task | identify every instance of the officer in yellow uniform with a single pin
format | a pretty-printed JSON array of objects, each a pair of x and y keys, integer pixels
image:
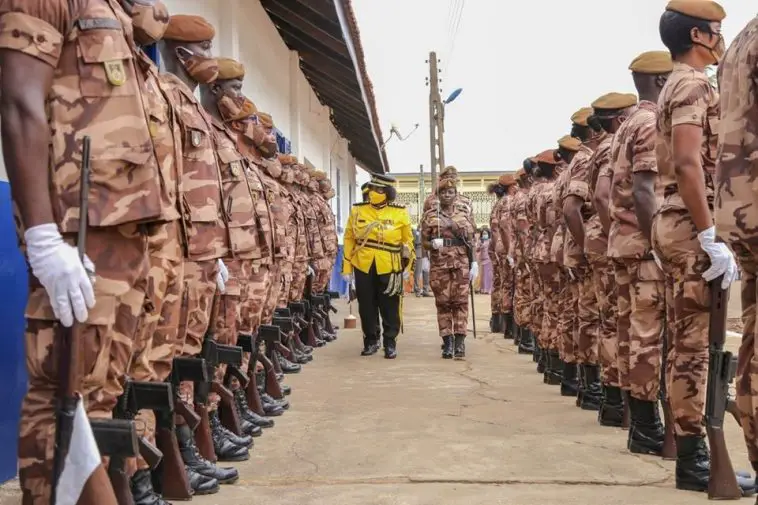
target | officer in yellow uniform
[{"x": 379, "y": 255}]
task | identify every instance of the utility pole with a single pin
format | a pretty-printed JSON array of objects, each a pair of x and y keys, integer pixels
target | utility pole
[
  {"x": 436, "y": 119},
  {"x": 421, "y": 193}
]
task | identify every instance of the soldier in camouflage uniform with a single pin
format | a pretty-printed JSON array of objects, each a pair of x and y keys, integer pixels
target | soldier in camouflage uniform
[
  {"x": 186, "y": 55},
  {"x": 448, "y": 234},
  {"x": 683, "y": 236},
  {"x": 522, "y": 290},
  {"x": 736, "y": 206},
  {"x": 578, "y": 211},
  {"x": 503, "y": 252},
  {"x": 126, "y": 188}
]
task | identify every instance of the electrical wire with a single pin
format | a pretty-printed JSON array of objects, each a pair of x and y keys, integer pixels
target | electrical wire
[{"x": 454, "y": 37}]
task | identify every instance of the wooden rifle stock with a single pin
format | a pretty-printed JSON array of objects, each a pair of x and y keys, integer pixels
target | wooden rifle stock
[{"x": 722, "y": 483}]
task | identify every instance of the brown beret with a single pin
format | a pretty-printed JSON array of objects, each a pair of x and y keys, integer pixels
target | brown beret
[
  {"x": 701, "y": 9},
  {"x": 569, "y": 143},
  {"x": 287, "y": 159},
  {"x": 449, "y": 172},
  {"x": 613, "y": 101},
  {"x": 445, "y": 182},
  {"x": 547, "y": 157},
  {"x": 186, "y": 28},
  {"x": 522, "y": 173},
  {"x": 580, "y": 117},
  {"x": 506, "y": 180},
  {"x": 265, "y": 119},
  {"x": 318, "y": 175},
  {"x": 230, "y": 69},
  {"x": 652, "y": 62}
]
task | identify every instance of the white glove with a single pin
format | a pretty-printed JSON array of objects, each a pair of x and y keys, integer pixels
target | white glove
[
  {"x": 437, "y": 243},
  {"x": 60, "y": 271},
  {"x": 310, "y": 271},
  {"x": 222, "y": 277},
  {"x": 510, "y": 261},
  {"x": 473, "y": 271},
  {"x": 722, "y": 259},
  {"x": 425, "y": 264},
  {"x": 657, "y": 261},
  {"x": 571, "y": 274},
  {"x": 406, "y": 275}
]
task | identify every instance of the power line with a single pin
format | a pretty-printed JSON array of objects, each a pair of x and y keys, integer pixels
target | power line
[{"x": 453, "y": 39}]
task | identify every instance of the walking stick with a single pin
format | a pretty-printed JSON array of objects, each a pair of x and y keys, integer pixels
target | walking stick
[{"x": 473, "y": 308}]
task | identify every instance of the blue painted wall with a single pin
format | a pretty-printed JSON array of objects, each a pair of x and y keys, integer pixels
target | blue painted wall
[{"x": 13, "y": 292}]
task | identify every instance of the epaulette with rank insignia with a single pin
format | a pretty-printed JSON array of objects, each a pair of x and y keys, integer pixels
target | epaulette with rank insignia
[{"x": 397, "y": 205}]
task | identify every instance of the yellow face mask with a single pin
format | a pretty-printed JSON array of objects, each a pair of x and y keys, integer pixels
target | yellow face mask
[{"x": 376, "y": 198}]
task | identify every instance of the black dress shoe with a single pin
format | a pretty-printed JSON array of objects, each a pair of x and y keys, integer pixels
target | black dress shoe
[
  {"x": 142, "y": 490},
  {"x": 194, "y": 461},
  {"x": 242, "y": 441},
  {"x": 201, "y": 484},
  {"x": 248, "y": 415}
]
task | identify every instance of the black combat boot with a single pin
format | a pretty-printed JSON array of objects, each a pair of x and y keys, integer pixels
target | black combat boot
[
  {"x": 447, "y": 347},
  {"x": 611, "y": 408},
  {"x": 390, "y": 348},
  {"x": 370, "y": 347},
  {"x": 267, "y": 399},
  {"x": 508, "y": 325},
  {"x": 580, "y": 387},
  {"x": 226, "y": 449},
  {"x": 241, "y": 440},
  {"x": 518, "y": 333},
  {"x": 201, "y": 484},
  {"x": 646, "y": 433},
  {"x": 195, "y": 462},
  {"x": 496, "y": 323},
  {"x": 537, "y": 352},
  {"x": 554, "y": 372},
  {"x": 541, "y": 360},
  {"x": 460, "y": 346},
  {"x": 693, "y": 467},
  {"x": 248, "y": 415},
  {"x": 569, "y": 383},
  {"x": 526, "y": 343},
  {"x": 593, "y": 389},
  {"x": 286, "y": 365},
  {"x": 142, "y": 490}
]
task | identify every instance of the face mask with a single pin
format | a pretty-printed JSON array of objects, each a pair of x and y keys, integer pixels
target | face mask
[
  {"x": 149, "y": 21},
  {"x": 376, "y": 198},
  {"x": 329, "y": 194},
  {"x": 202, "y": 69},
  {"x": 313, "y": 186},
  {"x": 231, "y": 108},
  {"x": 273, "y": 168},
  {"x": 717, "y": 50}
]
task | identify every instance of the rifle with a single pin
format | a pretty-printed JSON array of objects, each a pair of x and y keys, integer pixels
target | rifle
[
  {"x": 722, "y": 483},
  {"x": 116, "y": 437},
  {"x": 270, "y": 335},
  {"x": 214, "y": 355},
  {"x": 669, "y": 440}
]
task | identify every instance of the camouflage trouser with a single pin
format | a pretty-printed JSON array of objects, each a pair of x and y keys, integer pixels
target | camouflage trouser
[
  {"x": 284, "y": 290},
  {"x": 200, "y": 288},
  {"x": 451, "y": 292},
  {"x": 258, "y": 288},
  {"x": 231, "y": 307},
  {"x": 569, "y": 325},
  {"x": 605, "y": 293},
  {"x": 275, "y": 288},
  {"x": 675, "y": 241},
  {"x": 507, "y": 285},
  {"x": 121, "y": 259},
  {"x": 523, "y": 298},
  {"x": 323, "y": 274},
  {"x": 496, "y": 298},
  {"x": 646, "y": 320},
  {"x": 588, "y": 318},
  {"x": 551, "y": 286},
  {"x": 537, "y": 306},
  {"x": 623, "y": 313},
  {"x": 157, "y": 339},
  {"x": 299, "y": 277}
]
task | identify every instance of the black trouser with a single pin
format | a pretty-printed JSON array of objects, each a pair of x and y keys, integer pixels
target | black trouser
[{"x": 369, "y": 288}]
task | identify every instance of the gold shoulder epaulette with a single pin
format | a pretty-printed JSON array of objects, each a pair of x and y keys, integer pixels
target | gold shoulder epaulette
[{"x": 397, "y": 205}]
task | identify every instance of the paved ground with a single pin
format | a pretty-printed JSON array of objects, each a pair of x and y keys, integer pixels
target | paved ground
[{"x": 420, "y": 430}]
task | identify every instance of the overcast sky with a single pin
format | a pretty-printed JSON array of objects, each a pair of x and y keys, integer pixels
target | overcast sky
[{"x": 525, "y": 67}]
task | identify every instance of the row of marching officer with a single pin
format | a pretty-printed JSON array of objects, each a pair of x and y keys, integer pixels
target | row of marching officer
[
  {"x": 610, "y": 270},
  {"x": 178, "y": 263}
]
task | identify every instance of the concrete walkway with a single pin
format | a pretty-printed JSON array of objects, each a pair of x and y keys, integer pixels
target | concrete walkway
[{"x": 420, "y": 430}]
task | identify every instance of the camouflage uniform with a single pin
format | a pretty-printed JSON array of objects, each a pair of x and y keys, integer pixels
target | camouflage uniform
[
  {"x": 308, "y": 246},
  {"x": 522, "y": 295},
  {"x": 569, "y": 321},
  {"x": 500, "y": 257},
  {"x": 549, "y": 273},
  {"x": 497, "y": 298},
  {"x": 641, "y": 303},
  {"x": 449, "y": 265},
  {"x": 327, "y": 224},
  {"x": 126, "y": 187},
  {"x": 536, "y": 307},
  {"x": 687, "y": 98},
  {"x": 296, "y": 244},
  {"x": 737, "y": 206},
  {"x": 203, "y": 228}
]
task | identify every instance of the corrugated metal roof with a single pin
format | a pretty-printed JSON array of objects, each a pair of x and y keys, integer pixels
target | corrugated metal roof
[{"x": 326, "y": 36}]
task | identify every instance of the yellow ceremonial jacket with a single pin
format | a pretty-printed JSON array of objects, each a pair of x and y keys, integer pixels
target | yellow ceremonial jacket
[{"x": 377, "y": 235}]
